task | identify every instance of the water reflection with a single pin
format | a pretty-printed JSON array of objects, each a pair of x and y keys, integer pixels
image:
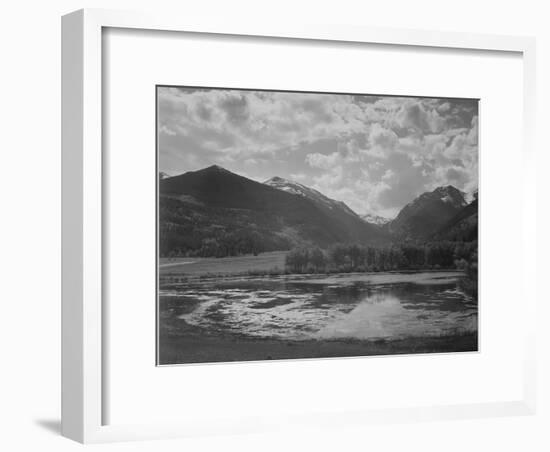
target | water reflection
[{"x": 329, "y": 308}]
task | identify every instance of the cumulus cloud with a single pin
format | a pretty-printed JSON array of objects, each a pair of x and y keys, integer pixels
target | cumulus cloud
[
  {"x": 382, "y": 137},
  {"x": 254, "y": 121},
  {"x": 326, "y": 162},
  {"x": 414, "y": 115},
  {"x": 375, "y": 153},
  {"x": 473, "y": 132}
]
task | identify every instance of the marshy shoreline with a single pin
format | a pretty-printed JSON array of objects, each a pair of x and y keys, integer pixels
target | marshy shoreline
[{"x": 181, "y": 343}]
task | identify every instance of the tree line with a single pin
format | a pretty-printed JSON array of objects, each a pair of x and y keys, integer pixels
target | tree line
[{"x": 361, "y": 258}]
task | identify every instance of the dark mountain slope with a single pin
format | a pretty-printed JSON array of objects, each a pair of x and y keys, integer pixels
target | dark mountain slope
[
  {"x": 424, "y": 216},
  {"x": 331, "y": 207},
  {"x": 216, "y": 212},
  {"x": 310, "y": 193},
  {"x": 462, "y": 227}
]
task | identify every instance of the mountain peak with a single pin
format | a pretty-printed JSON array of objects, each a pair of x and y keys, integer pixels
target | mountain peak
[
  {"x": 298, "y": 189},
  {"x": 213, "y": 168},
  {"x": 451, "y": 195},
  {"x": 277, "y": 180},
  {"x": 428, "y": 212},
  {"x": 214, "y": 199},
  {"x": 448, "y": 194},
  {"x": 285, "y": 185},
  {"x": 375, "y": 219},
  {"x": 447, "y": 189}
]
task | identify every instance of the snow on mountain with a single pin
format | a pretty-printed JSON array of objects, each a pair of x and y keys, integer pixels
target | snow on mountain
[
  {"x": 296, "y": 188},
  {"x": 375, "y": 219},
  {"x": 449, "y": 195},
  {"x": 255, "y": 217}
]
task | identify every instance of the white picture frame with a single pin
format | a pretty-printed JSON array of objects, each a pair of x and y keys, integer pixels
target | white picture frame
[{"x": 83, "y": 348}]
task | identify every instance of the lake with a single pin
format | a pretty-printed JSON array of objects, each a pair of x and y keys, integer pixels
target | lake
[{"x": 364, "y": 307}]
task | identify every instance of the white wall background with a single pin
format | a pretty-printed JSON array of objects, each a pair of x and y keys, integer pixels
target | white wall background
[{"x": 30, "y": 222}]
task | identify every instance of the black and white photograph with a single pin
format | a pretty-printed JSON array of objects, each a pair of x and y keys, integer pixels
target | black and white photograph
[
  {"x": 298, "y": 225},
  {"x": 257, "y": 226}
]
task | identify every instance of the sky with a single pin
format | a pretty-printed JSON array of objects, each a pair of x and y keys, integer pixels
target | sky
[{"x": 375, "y": 153}]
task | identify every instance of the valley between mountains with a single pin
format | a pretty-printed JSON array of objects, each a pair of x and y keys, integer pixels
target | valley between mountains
[
  {"x": 216, "y": 213},
  {"x": 278, "y": 270}
]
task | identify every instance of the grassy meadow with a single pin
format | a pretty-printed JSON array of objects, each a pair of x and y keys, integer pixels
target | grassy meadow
[{"x": 197, "y": 266}]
